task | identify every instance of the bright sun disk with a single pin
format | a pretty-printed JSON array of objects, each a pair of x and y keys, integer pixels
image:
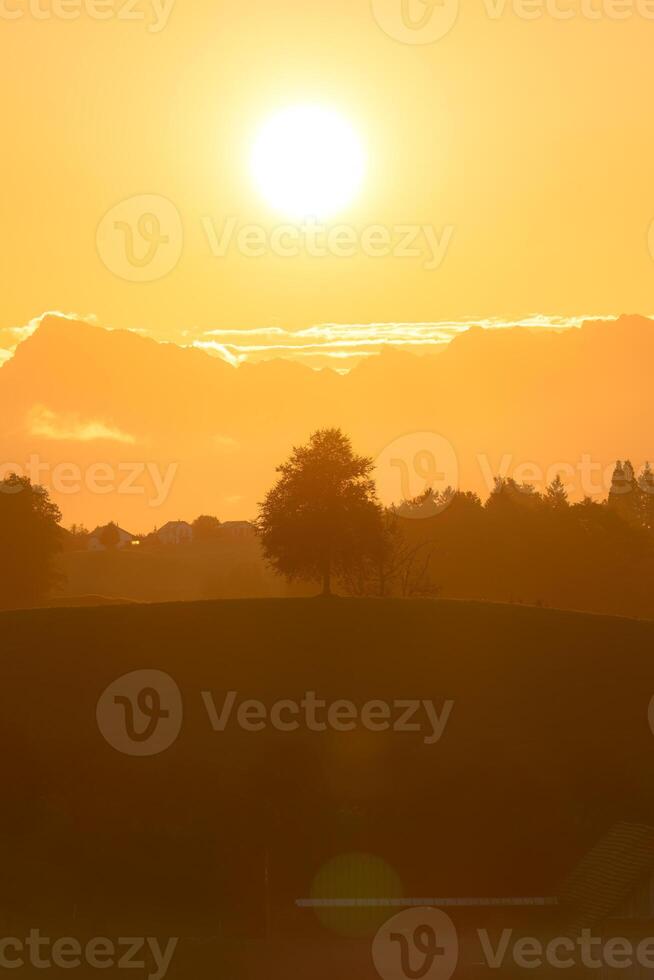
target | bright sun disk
[{"x": 308, "y": 162}]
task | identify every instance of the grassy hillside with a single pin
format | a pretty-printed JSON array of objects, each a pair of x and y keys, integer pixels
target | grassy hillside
[{"x": 215, "y": 839}]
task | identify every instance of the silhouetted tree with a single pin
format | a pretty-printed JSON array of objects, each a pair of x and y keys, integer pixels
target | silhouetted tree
[
  {"x": 322, "y": 517},
  {"x": 30, "y": 537},
  {"x": 427, "y": 504},
  {"x": 76, "y": 538},
  {"x": 523, "y": 546},
  {"x": 110, "y": 536},
  {"x": 205, "y": 528},
  {"x": 508, "y": 495},
  {"x": 646, "y": 501},
  {"x": 400, "y": 567},
  {"x": 556, "y": 495},
  {"x": 624, "y": 493}
]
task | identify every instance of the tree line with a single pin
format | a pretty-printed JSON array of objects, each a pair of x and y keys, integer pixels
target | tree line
[{"x": 322, "y": 523}]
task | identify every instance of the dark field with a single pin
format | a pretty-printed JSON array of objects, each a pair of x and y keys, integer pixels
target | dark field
[{"x": 215, "y": 839}]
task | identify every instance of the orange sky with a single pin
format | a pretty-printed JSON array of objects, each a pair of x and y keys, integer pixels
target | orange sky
[{"x": 528, "y": 139}]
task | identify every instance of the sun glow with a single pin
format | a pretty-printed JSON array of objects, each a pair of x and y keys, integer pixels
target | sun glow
[{"x": 308, "y": 162}]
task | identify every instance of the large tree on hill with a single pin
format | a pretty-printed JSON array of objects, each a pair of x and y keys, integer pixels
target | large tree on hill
[
  {"x": 30, "y": 536},
  {"x": 322, "y": 516}
]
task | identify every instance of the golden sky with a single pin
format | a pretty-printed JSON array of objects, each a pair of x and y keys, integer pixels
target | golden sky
[{"x": 523, "y": 145}]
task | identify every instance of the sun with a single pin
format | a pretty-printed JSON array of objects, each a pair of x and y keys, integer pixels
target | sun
[{"x": 308, "y": 162}]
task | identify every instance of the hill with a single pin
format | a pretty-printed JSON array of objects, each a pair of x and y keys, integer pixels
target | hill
[
  {"x": 544, "y": 748},
  {"x": 172, "y": 574}
]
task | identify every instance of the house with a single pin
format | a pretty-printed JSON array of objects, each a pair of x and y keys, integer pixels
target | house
[
  {"x": 175, "y": 532},
  {"x": 109, "y": 536},
  {"x": 237, "y": 529}
]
